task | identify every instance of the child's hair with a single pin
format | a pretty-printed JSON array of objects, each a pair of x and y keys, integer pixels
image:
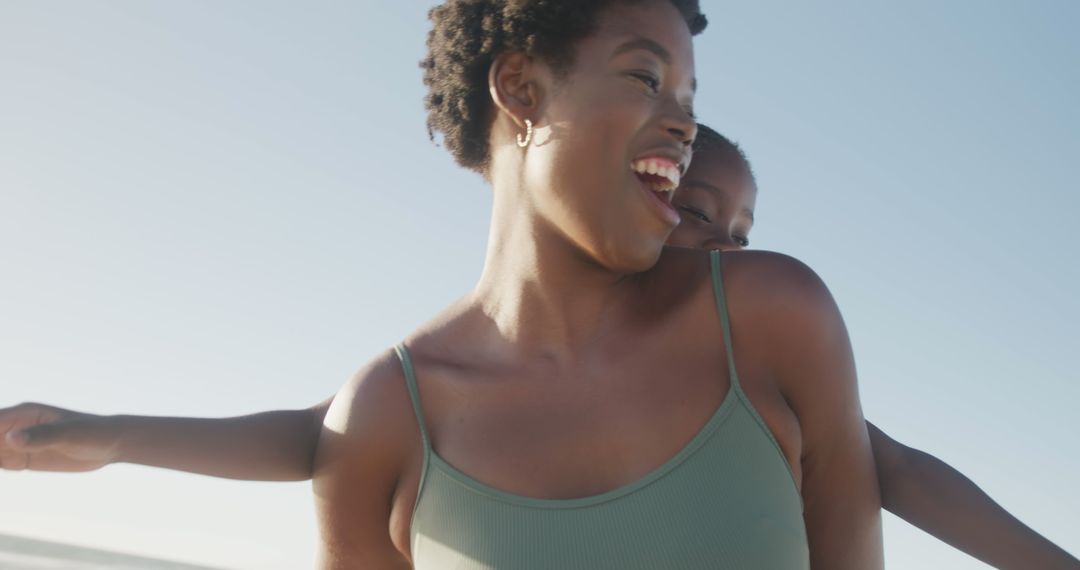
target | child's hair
[
  {"x": 710, "y": 140},
  {"x": 467, "y": 35}
]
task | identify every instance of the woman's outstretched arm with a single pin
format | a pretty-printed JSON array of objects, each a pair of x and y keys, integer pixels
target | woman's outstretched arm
[
  {"x": 268, "y": 446},
  {"x": 930, "y": 494}
]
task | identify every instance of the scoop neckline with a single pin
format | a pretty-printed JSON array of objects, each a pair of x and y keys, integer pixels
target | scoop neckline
[{"x": 663, "y": 469}]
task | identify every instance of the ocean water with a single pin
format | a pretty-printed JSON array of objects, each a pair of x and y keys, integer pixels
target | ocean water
[{"x": 17, "y": 553}]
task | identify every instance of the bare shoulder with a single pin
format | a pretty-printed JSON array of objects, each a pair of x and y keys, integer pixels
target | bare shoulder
[
  {"x": 372, "y": 396},
  {"x": 774, "y": 280},
  {"x": 368, "y": 438},
  {"x": 782, "y": 302},
  {"x": 374, "y": 405},
  {"x": 765, "y": 289},
  {"x": 784, "y": 322},
  {"x": 763, "y": 273}
]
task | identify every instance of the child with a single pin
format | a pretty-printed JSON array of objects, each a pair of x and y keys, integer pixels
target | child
[{"x": 716, "y": 199}]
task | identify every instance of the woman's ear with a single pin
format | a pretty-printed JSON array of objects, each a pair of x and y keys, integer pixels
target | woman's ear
[{"x": 515, "y": 81}]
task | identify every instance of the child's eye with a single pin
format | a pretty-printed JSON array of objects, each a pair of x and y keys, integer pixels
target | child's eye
[
  {"x": 650, "y": 80},
  {"x": 696, "y": 213}
]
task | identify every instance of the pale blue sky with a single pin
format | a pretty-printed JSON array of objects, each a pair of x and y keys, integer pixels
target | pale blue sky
[{"x": 213, "y": 208}]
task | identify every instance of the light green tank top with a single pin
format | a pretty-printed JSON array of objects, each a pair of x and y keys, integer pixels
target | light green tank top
[{"x": 727, "y": 500}]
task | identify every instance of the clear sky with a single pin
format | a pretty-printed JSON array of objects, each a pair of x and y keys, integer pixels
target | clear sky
[{"x": 213, "y": 208}]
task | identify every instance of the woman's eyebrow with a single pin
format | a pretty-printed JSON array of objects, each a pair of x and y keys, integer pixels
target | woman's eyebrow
[
  {"x": 653, "y": 47},
  {"x": 647, "y": 45}
]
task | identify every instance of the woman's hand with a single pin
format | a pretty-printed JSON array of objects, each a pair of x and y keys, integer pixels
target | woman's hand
[{"x": 37, "y": 437}]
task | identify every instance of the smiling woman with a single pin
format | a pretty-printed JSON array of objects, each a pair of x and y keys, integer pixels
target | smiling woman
[
  {"x": 223, "y": 207},
  {"x": 597, "y": 400},
  {"x": 586, "y": 406}
]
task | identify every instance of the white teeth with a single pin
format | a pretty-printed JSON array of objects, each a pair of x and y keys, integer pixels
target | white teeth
[
  {"x": 672, "y": 176},
  {"x": 657, "y": 168}
]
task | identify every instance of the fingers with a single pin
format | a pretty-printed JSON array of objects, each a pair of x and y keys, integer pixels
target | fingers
[
  {"x": 11, "y": 461},
  {"x": 17, "y": 418},
  {"x": 12, "y": 420},
  {"x": 14, "y": 439},
  {"x": 43, "y": 438},
  {"x": 22, "y": 434},
  {"x": 12, "y": 458},
  {"x": 27, "y": 414},
  {"x": 20, "y": 445},
  {"x": 10, "y": 417},
  {"x": 27, "y": 408},
  {"x": 35, "y": 437},
  {"x": 57, "y": 446}
]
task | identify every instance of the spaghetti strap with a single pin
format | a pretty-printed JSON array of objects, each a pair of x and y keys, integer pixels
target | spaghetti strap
[
  {"x": 414, "y": 393},
  {"x": 722, "y": 308}
]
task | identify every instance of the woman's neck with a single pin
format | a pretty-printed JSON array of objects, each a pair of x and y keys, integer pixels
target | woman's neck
[{"x": 543, "y": 294}]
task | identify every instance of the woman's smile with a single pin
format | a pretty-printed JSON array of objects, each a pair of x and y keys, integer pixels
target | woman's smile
[{"x": 658, "y": 178}]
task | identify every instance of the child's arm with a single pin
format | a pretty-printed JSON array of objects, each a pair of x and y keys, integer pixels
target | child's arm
[
  {"x": 928, "y": 493},
  {"x": 269, "y": 446}
]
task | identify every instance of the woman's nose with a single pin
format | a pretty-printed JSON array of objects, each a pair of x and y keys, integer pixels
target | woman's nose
[{"x": 680, "y": 124}]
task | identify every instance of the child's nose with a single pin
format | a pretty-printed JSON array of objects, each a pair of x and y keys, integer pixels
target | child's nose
[{"x": 722, "y": 242}]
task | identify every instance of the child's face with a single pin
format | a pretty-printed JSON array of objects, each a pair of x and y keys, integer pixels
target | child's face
[{"x": 716, "y": 201}]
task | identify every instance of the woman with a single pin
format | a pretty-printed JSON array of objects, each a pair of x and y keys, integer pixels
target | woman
[
  {"x": 573, "y": 410},
  {"x": 584, "y": 406}
]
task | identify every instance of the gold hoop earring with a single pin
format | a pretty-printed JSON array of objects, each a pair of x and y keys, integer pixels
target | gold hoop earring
[{"x": 524, "y": 142}]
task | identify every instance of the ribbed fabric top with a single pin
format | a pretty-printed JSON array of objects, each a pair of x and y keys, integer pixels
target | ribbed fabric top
[{"x": 726, "y": 500}]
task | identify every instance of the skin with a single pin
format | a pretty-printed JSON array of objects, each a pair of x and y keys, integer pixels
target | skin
[{"x": 576, "y": 271}]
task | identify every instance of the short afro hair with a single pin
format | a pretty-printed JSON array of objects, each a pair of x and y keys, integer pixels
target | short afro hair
[
  {"x": 710, "y": 140},
  {"x": 467, "y": 36}
]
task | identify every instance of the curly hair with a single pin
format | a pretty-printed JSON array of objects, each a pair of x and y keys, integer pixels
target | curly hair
[
  {"x": 711, "y": 140},
  {"x": 467, "y": 36}
]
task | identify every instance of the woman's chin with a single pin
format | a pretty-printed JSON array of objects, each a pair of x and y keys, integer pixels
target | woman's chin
[{"x": 634, "y": 260}]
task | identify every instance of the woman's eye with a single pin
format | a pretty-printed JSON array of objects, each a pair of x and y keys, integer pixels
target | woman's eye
[
  {"x": 650, "y": 81},
  {"x": 696, "y": 213}
]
